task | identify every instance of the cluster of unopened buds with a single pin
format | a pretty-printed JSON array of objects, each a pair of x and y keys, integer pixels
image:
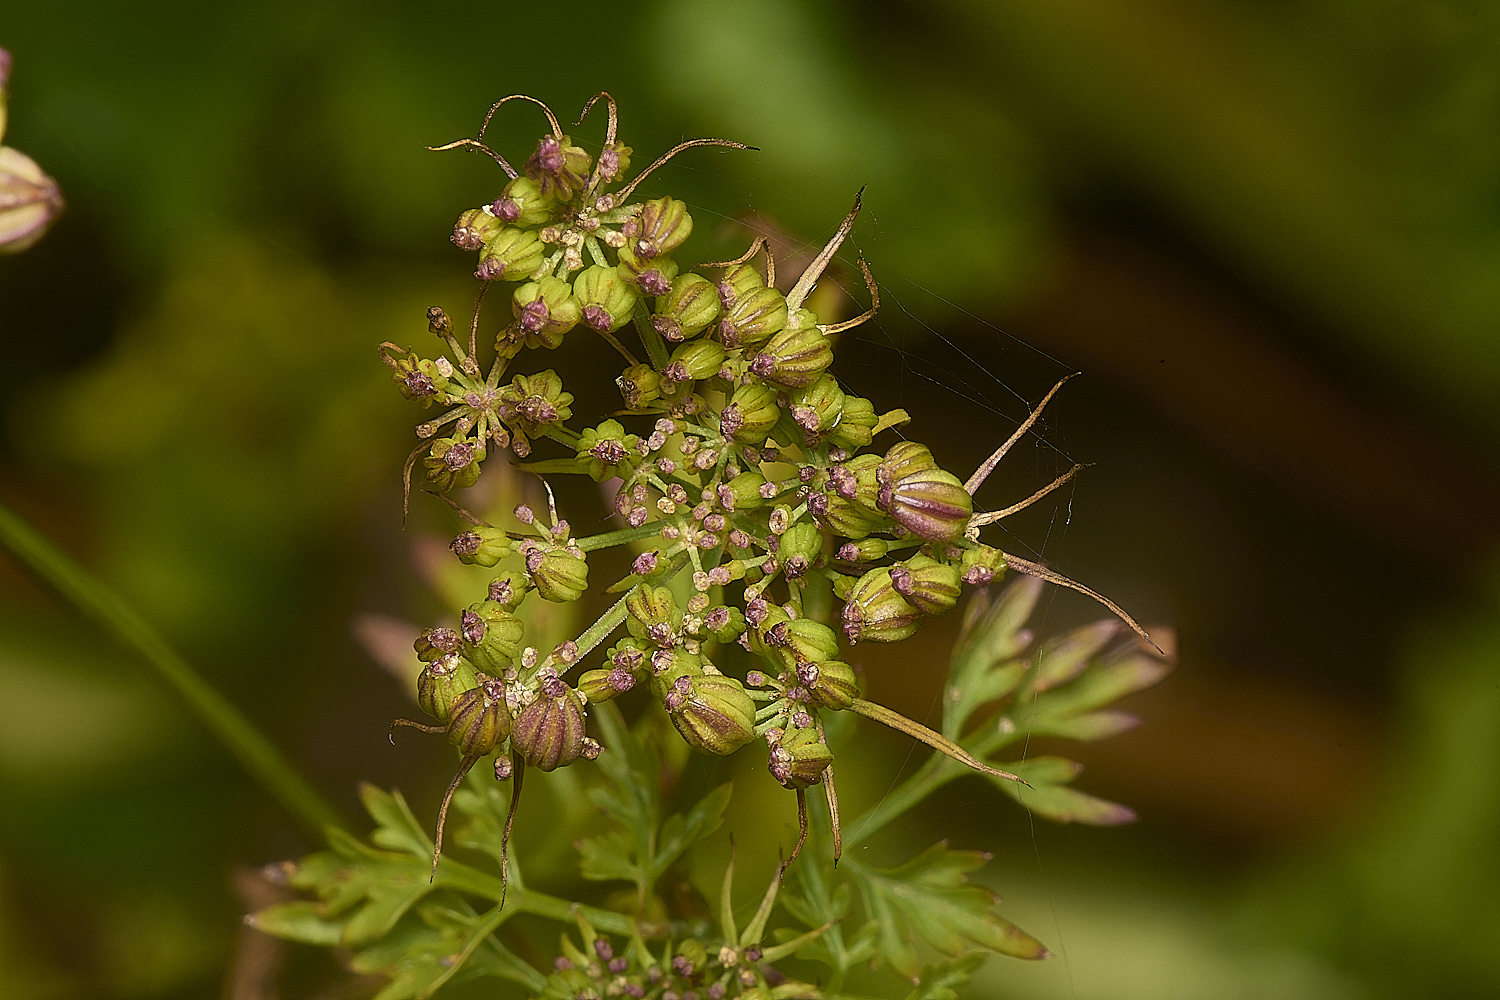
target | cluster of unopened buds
[
  {"x": 737, "y": 965},
  {"x": 741, "y": 478}
]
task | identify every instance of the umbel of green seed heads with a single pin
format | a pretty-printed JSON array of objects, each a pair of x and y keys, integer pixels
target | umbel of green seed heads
[{"x": 744, "y": 475}]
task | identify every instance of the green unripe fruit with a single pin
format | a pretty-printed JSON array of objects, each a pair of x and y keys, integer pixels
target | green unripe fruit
[
  {"x": 753, "y": 318},
  {"x": 751, "y": 414},
  {"x": 694, "y": 954},
  {"x": 830, "y": 684},
  {"x": 924, "y": 499},
  {"x": 844, "y": 517},
  {"x": 602, "y": 449},
  {"x": 417, "y": 378},
  {"x": 817, "y": 407},
  {"x": 653, "y": 276},
  {"x": 928, "y": 585},
  {"x": 863, "y": 550},
  {"x": 739, "y": 280},
  {"x": 687, "y": 309},
  {"x": 652, "y": 614},
  {"x": 559, "y": 167},
  {"x": 545, "y": 310},
  {"x": 549, "y": 733},
  {"x": 803, "y": 640},
  {"x": 982, "y": 564},
  {"x": 437, "y": 643},
  {"x": 854, "y": 428},
  {"x": 522, "y": 204},
  {"x": 607, "y": 301},
  {"x": 605, "y": 684},
  {"x": 474, "y": 227},
  {"x": 801, "y": 545},
  {"x": 661, "y": 226},
  {"x": 440, "y": 684},
  {"x": 510, "y": 255},
  {"x": 697, "y": 359},
  {"x": 558, "y": 575},
  {"x": 906, "y": 458},
  {"x": 711, "y": 712},
  {"x": 670, "y": 665},
  {"x": 794, "y": 358},
  {"x": 640, "y": 385},
  {"x": 800, "y": 759},
  {"x": 493, "y": 635},
  {"x": 742, "y": 493},
  {"x": 453, "y": 463},
  {"x": 480, "y": 719},
  {"x": 509, "y": 589},
  {"x": 532, "y": 402},
  {"x": 481, "y": 545},
  {"x": 725, "y": 623},
  {"x": 876, "y": 612}
]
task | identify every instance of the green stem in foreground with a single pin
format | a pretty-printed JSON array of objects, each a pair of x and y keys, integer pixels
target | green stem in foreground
[
  {"x": 932, "y": 775},
  {"x": 238, "y": 735},
  {"x": 457, "y": 875}
]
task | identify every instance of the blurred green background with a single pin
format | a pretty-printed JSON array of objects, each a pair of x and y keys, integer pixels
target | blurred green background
[{"x": 1268, "y": 233}]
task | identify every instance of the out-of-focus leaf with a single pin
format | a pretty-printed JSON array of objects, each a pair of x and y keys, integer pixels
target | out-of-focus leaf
[
  {"x": 396, "y": 828},
  {"x": 943, "y": 980},
  {"x": 298, "y": 920},
  {"x": 435, "y": 946},
  {"x": 1064, "y": 658},
  {"x": 1050, "y": 796},
  {"x": 1102, "y": 684},
  {"x": 485, "y": 803},
  {"x": 613, "y": 856},
  {"x": 983, "y": 667},
  {"x": 929, "y": 897},
  {"x": 376, "y": 888},
  {"x": 682, "y": 831},
  {"x": 1092, "y": 726},
  {"x": 607, "y": 856}
]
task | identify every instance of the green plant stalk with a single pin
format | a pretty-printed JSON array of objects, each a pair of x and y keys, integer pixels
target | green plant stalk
[
  {"x": 622, "y": 536},
  {"x": 937, "y": 772},
  {"x": 239, "y": 736},
  {"x": 601, "y": 629},
  {"x": 457, "y": 875}
]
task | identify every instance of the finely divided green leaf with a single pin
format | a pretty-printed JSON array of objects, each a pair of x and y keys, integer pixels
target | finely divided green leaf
[
  {"x": 929, "y": 898},
  {"x": 439, "y": 943},
  {"x": 1087, "y": 727},
  {"x": 943, "y": 980},
  {"x": 608, "y": 856},
  {"x": 395, "y": 826},
  {"x": 1049, "y": 795},
  {"x": 682, "y": 831},
  {"x": 300, "y": 920},
  {"x": 1061, "y": 659},
  {"x": 1102, "y": 684}
]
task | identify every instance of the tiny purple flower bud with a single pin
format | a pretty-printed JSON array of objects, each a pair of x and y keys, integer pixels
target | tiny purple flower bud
[
  {"x": 472, "y": 627},
  {"x": 645, "y": 563}
]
